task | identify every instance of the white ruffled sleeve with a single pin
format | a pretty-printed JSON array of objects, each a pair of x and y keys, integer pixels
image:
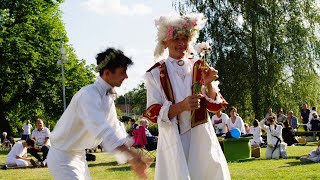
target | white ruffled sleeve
[
  {"x": 155, "y": 96},
  {"x": 215, "y": 86}
]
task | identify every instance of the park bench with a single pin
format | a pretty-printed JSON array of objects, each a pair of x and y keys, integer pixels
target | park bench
[{"x": 308, "y": 133}]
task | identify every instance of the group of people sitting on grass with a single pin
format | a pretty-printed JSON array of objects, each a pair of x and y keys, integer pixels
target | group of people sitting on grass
[
  {"x": 277, "y": 134},
  {"x": 309, "y": 118},
  {"x": 37, "y": 142}
]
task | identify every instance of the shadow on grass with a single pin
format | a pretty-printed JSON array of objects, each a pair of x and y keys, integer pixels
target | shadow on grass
[
  {"x": 4, "y": 152},
  {"x": 115, "y": 167},
  {"x": 113, "y": 163},
  {"x": 298, "y": 163},
  {"x": 295, "y": 163},
  {"x": 126, "y": 168},
  {"x": 121, "y": 167},
  {"x": 311, "y": 144}
]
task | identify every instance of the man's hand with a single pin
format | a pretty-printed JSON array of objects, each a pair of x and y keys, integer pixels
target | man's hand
[
  {"x": 140, "y": 166},
  {"x": 191, "y": 102},
  {"x": 188, "y": 104},
  {"x": 209, "y": 74}
]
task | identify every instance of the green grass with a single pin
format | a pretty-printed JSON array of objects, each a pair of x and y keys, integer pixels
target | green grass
[{"x": 106, "y": 168}]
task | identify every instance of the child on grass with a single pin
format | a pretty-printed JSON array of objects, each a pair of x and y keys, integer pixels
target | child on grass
[{"x": 17, "y": 157}]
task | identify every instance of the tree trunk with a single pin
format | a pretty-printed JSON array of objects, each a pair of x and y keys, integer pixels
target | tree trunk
[
  {"x": 255, "y": 67},
  {"x": 4, "y": 123}
]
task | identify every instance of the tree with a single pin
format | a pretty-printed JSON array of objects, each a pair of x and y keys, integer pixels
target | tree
[
  {"x": 137, "y": 98},
  {"x": 267, "y": 52},
  {"x": 30, "y": 83}
]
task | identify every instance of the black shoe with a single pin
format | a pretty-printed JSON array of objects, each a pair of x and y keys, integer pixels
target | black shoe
[
  {"x": 34, "y": 164},
  {"x": 4, "y": 167}
]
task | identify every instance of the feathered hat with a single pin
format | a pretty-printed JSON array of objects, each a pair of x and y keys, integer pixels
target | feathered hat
[{"x": 172, "y": 25}]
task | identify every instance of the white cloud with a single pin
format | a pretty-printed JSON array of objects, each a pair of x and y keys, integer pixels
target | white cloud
[{"x": 104, "y": 7}]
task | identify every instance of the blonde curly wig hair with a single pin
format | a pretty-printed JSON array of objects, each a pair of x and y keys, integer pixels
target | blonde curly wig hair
[{"x": 170, "y": 26}]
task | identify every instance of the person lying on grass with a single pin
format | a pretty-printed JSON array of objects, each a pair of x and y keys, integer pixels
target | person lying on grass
[
  {"x": 17, "y": 157},
  {"x": 313, "y": 156}
]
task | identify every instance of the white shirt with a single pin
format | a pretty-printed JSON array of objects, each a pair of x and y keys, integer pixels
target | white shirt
[
  {"x": 272, "y": 131},
  {"x": 237, "y": 124},
  {"x": 181, "y": 78},
  {"x": 312, "y": 114},
  {"x": 17, "y": 150},
  {"x": 220, "y": 123},
  {"x": 40, "y": 136},
  {"x": 256, "y": 132},
  {"x": 89, "y": 119},
  {"x": 27, "y": 129}
]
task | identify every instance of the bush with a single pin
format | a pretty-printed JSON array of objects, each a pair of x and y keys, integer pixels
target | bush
[
  {"x": 153, "y": 129},
  {"x": 126, "y": 119}
]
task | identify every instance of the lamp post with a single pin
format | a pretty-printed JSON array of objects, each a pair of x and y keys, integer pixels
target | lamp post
[
  {"x": 125, "y": 100},
  {"x": 60, "y": 62}
]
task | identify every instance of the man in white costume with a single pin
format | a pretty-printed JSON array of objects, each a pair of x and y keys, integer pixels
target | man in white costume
[
  {"x": 274, "y": 137},
  {"x": 91, "y": 119},
  {"x": 187, "y": 145}
]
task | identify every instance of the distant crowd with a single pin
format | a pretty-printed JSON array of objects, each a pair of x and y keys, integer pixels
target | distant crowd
[{"x": 274, "y": 131}]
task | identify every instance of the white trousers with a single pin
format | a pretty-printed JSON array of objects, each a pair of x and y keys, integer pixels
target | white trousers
[
  {"x": 18, "y": 162},
  {"x": 274, "y": 155},
  {"x": 68, "y": 165}
]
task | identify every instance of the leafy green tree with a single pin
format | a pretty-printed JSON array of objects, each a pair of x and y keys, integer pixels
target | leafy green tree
[
  {"x": 267, "y": 52},
  {"x": 30, "y": 84},
  {"x": 136, "y": 98}
]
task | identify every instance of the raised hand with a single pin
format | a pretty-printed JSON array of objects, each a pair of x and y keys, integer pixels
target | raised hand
[
  {"x": 192, "y": 102},
  {"x": 209, "y": 74}
]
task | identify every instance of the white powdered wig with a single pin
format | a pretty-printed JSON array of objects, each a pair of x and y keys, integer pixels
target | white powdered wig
[{"x": 172, "y": 25}]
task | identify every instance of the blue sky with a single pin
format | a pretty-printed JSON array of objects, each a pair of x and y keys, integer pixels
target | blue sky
[{"x": 94, "y": 25}]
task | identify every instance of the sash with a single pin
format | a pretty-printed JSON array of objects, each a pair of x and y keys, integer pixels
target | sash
[{"x": 198, "y": 116}]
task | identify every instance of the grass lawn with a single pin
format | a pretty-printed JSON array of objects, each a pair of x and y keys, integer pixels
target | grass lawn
[{"x": 106, "y": 168}]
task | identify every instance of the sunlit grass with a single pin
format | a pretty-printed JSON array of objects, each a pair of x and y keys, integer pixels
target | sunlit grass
[{"x": 105, "y": 167}]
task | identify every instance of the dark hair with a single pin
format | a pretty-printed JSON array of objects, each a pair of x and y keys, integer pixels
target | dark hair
[
  {"x": 314, "y": 108},
  {"x": 271, "y": 119},
  {"x": 233, "y": 108},
  {"x": 115, "y": 59},
  {"x": 286, "y": 124},
  {"x": 30, "y": 142},
  {"x": 255, "y": 123}
]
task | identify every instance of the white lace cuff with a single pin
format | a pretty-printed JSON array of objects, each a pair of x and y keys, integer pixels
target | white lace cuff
[
  {"x": 215, "y": 87},
  {"x": 164, "y": 111}
]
